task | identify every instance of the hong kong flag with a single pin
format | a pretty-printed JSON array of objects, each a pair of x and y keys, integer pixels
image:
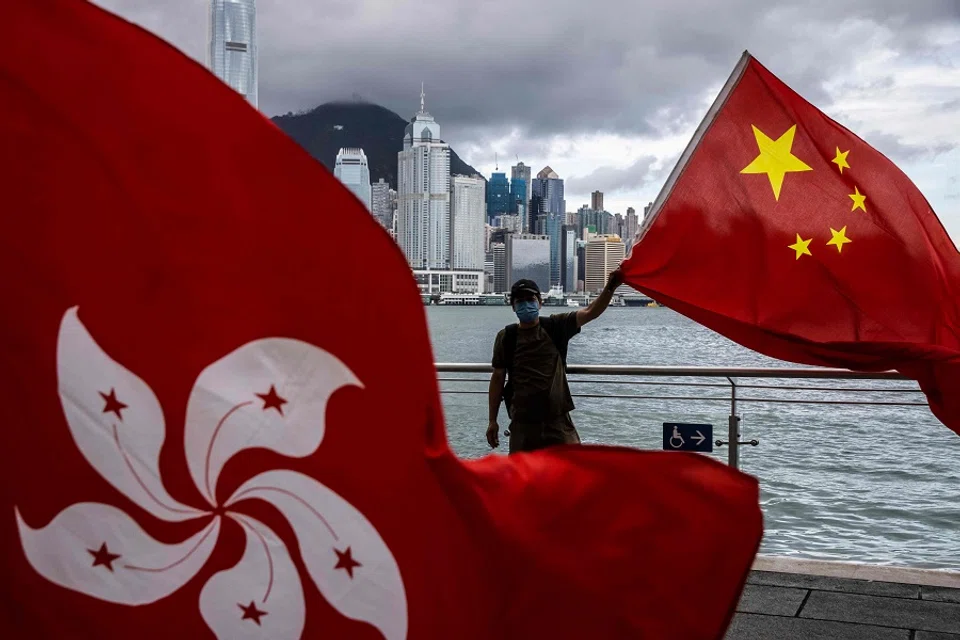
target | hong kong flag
[{"x": 220, "y": 412}]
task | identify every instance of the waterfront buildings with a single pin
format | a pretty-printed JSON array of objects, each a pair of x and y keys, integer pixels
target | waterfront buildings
[
  {"x": 528, "y": 256},
  {"x": 352, "y": 170},
  {"x": 423, "y": 194},
  {"x": 498, "y": 196},
  {"x": 232, "y": 46},
  {"x": 596, "y": 200},
  {"x": 603, "y": 254},
  {"x": 499, "y": 251},
  {"x": 467, "y": 222},
  {"x": 382, "y": 201},
  {"x": 630, "y": 224},
  {"x": 432, "y": 281}
]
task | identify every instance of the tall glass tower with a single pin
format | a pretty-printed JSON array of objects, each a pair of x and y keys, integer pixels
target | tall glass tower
[{"x": 233, "y": 45}]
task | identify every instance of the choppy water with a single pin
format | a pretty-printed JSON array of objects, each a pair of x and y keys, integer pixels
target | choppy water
[{"x": 860, "y": 483}]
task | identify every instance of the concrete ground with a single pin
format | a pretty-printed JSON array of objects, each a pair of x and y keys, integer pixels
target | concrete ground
[{"x": 787, "y": 599}]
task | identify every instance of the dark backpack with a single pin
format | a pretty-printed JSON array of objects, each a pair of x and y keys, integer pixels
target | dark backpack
[{"x": 510, "y": 348}]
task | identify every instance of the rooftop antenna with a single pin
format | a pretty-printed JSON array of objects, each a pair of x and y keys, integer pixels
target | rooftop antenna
[
  {"x": 496, "y": 162},
  {"x": 422, "y": 98}
]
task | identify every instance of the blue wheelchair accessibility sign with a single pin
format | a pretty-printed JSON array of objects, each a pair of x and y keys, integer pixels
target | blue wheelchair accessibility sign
[{"x": 678, "y": 436}]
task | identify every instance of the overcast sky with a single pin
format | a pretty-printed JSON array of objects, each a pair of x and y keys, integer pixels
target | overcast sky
[{"x": 608, "y": 94}]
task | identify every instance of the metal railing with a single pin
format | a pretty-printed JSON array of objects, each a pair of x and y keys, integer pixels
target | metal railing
[{"x": 735, "y": 381}]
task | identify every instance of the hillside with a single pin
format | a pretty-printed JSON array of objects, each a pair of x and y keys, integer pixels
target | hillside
[{"x": 378, "y": 131}]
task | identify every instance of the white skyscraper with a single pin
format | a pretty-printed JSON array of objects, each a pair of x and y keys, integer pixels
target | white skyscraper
[
  {"x": 423, "y": 194},
  {"x": 468, "y": 217},
  {"x": 353, "y": 171},
  {"x": 233, "y": 45}
]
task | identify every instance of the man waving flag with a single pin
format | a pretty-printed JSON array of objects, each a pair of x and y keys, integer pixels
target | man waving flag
[
  {"x": 782, "y": 230},
  {"x": 198, "y": 445}
]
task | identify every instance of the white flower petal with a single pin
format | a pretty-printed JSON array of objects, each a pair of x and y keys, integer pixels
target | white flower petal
[
  {"x": 99, "y": 550},
  {"x": 347, "y": 559},
  {"x": 260, "y": 598},
  {"x": 115, "y": 420},
  {"x": 270, "y": 393}
]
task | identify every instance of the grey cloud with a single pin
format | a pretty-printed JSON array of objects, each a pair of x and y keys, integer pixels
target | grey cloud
[
  {"x": 569, "y": 68},
  {"x": 612, "y": 179},
  {"x": 898, "y": 151}
]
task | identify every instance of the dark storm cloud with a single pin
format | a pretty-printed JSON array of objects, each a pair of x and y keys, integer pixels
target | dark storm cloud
[{"x": 562, "y": 68}]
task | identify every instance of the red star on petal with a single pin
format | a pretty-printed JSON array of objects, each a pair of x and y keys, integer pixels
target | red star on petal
[
  {"x": 103, "y": 557},
  {"x": 112, "y": 404},
  {"x": 345, "y": 561},
  {"x": 272, "y": 400},
  {"x": 250, "y": 612}
]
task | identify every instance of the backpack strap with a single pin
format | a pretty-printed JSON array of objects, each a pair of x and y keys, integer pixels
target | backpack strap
[
  {"x": 555, "y": 331},
  {"x": 510, "y": 333}
]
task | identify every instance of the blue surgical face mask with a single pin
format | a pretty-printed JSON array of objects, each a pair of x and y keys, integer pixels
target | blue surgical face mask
[{"x": 527, "y": 311}]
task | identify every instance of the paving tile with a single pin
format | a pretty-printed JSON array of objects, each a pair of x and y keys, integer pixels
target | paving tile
[
  {"x": 774, "y": 601},
  {"x": 887, "y": 612},
  {"x": 747, "y": 626},
  {"x": 933, "y": 635},
  {"x": 843, "y": 585},
  {"x": 940, "y": 594}
]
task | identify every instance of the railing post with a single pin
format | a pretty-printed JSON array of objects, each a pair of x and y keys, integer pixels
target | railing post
[{"x": 733, "y": 429}]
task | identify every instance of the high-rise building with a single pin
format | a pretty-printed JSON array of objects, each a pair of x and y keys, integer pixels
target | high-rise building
[
  {"x": 568, "y": 258},
  {"x": 518, "y": 196},
  {"x": 618, "y": 225},
  {"x": 604, "y": 253},
  {"x": 499, "y": 251},
  {"x": 232, "y": 54},
  {"x": 646, "y": 210},
  {"x": 498, "y": 196},
  {"x": 467, "y": 221},
  {"x": 553, "y": 223},
  {"x": 528, "y": 256},
  {"x": 596, "y": 200},
  {"x": 381, "y": 205},
  {"x": 630, "y": 225},
  {"x": 549, "y": 187},
  {"x": 521, "y": 171},
  {"x": 353, "y": 171},
  {"x": 423, "y": 193}
]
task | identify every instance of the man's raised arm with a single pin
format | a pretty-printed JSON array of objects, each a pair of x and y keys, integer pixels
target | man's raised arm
[{"x": 602, "y": 301}]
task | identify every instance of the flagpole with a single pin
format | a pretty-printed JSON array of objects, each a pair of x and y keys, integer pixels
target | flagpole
[{"x": 708, "y": 119}]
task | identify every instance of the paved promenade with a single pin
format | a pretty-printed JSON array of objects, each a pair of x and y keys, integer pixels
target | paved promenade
[{"x": 786, "y": 599}]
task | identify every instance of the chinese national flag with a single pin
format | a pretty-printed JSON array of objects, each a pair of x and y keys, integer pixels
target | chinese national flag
[
  {"x": 782, "y": 230},
  {"x": 220, "y": 411}
]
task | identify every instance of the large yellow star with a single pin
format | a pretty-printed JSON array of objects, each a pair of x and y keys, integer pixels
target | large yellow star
[
  {"x": 775, "y": 159},
  {"x": 841, "y": 159},
  {"x": 858, "y": 200},
  {"x": 802, "y": 247},
  {"x": 839, "y": 239}
]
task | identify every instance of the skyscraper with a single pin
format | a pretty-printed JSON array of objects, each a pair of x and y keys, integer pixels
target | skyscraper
[
  {"x": 528, "y": 256},
  {"x": 381, "y": 205},
  {"x": 553, "y": 223},
  {"x": 521, "y": 171},
  {"x": 498, "y": 196},
  {"x": 568, "y": 258},
  {"x": 353, "y": 171},
  {"x": 423, "y": 193},
  {"x": 467, "y": 221},
  {"x": 518, "y": 197},
  {"x": 604, "y": 253},
  {"x": 549, "y": 187},
  {"x": 232, "y": 55},
  {"x": 596, "y": 200},
  {"x": 630, "y": 227}
]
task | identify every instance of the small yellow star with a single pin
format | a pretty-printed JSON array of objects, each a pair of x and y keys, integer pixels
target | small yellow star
[
  {"x": 802, "y": 247},
  {"x": 858, "y": 200},
  {"x": 839, "y": 239},
  {"x": 776, "y": 158},
  {"x": 841, "y": 159}
]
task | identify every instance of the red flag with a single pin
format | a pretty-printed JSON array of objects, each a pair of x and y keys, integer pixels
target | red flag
[
  {"x": 221, "y": 413},
  {"x": 782, "y": 230}
]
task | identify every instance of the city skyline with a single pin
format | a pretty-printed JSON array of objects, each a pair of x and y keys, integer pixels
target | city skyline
[{"x": 651, "y": 71}]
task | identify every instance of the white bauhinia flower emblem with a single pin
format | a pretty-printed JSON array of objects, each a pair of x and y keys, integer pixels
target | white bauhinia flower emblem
[{"x": 270, "y": 394}]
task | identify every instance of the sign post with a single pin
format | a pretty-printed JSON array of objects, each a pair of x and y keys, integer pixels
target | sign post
[{"x": 678, "y": 436}]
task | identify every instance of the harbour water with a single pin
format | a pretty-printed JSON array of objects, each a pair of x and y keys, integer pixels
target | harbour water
[{"x": 855, "y": 483}]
